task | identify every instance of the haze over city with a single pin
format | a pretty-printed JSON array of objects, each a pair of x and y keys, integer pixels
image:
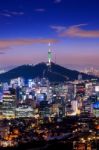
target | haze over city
[{"x": 27, "y": 26}]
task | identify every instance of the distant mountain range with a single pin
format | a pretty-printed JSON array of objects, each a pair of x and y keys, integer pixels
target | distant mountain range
[{"x": 56, "y": 73}]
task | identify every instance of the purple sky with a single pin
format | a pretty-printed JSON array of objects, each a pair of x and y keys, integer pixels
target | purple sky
[{"x": 27, "y": 26}]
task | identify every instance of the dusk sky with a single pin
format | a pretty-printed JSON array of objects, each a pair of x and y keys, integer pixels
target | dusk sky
[{"x": 27, "y": 26}]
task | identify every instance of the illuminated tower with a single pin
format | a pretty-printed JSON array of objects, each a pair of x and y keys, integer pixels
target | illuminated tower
[{"x": 49, "y": 54}]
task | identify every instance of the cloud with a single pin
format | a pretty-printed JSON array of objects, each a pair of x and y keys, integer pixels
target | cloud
[
  {"x": 2, "y": 53},
  {"x": 16, "y": 13},
  {"x": 58, "y": 28},
  {"x": 40, "y": 10},
  {"x": 77, "y": 31},
  {"x": 3, "y": 48},
  {"x": 7, "y": 44},
  {"x": 57, "y": 1},
  {"x": 7, "y": 13}
]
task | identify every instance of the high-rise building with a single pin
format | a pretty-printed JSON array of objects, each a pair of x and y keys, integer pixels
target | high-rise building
[
  {"x": 74, "y": 105},
  {"x": 80, "y": 77},
  {"x": 8, "y": 105},
  {"x": 24, "y": 111},
  {"x": 80, "y": 89}
]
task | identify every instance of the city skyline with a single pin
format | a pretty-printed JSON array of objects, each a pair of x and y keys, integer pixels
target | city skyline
[{"x": 26, "y": 28}]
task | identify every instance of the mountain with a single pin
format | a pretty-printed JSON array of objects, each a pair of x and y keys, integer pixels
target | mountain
[{"x": 57, "y": 73}]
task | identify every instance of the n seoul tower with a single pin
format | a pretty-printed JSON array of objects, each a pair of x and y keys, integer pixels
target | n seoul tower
[{"x": 49, "y": 54}]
